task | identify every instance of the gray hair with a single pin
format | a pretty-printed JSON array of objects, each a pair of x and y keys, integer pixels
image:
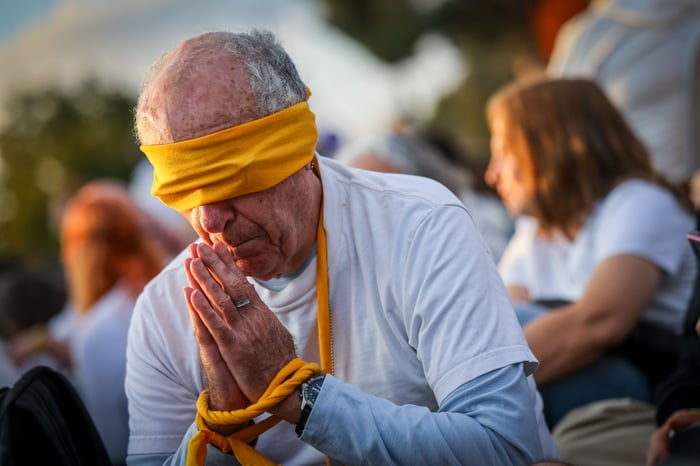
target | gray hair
[{"x": 274, "y": 79}]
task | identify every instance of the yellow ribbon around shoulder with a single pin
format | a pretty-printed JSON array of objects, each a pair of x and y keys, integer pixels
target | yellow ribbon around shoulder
[{"x": 284, "y": 383}]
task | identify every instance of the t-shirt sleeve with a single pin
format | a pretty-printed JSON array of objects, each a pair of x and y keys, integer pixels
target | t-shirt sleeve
[
  {"x": 644, "y": 220},
  {"x": 459, "y": 319}
]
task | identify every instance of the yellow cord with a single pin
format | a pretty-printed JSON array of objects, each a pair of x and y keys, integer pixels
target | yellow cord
[{"x": 284, "y": 383}]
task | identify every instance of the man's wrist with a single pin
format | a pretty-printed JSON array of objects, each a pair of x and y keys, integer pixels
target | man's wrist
[
  {"x": 309, "y": 393},
  {"x": 227, "y": 429}
]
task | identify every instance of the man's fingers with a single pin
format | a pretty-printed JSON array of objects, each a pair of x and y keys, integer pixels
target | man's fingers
[
  {"x": 223, "y": 268},
  {"x": 213, "y": 291},
  {"x": 225, "y": 255},
  {"x": 190, "y": 279},
  {"x": 214, "y": 319},
  {"x": 220, "y": 261},
  {"x": 208, "y": 348},
  {"x": 201, "y": 331},
  {"x": 228, "y": 289},
  {"x": 199, "y": 277},
  {"x": 224, "y": 393}
]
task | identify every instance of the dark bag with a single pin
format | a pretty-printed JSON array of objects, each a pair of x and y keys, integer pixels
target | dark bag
[{"x": 43, "y": 421}]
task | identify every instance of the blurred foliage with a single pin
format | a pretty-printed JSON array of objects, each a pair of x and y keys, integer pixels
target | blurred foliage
[
  {"x": 493, "y": 36},
  {"x": 390, "y": 27},
  {"x": 55, "y": 141}
]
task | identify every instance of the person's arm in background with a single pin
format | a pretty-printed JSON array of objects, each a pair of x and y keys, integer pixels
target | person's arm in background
[
  {"x": 659, "y": 442},
  {"x": 518, "y": 293},
  {"x": 35, "y": 340},
  {"x": 573, "y": 336}
]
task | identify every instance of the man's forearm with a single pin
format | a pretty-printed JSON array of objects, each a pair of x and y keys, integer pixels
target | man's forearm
[{"x": 474, "y": 426}]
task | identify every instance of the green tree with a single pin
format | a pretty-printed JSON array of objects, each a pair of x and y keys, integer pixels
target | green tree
[{"x": 55, "y": 141}]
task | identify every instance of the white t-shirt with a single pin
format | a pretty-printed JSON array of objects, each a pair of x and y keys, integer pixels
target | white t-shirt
[
  {"x": 99, "y": 355},
  {"x": 638, "y": 218},
  {"x": 417, "y": 310}
]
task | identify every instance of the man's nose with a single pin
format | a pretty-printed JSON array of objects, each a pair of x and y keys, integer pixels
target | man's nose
[{"x": 214, "y": 217}]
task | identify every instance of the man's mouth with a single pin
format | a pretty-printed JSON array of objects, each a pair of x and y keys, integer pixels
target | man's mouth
[{"x": 243, "y": 249}]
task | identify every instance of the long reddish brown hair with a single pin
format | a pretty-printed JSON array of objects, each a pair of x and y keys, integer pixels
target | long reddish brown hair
[
  {"x": 105, "y": 239},
  {"x": 573, "y": 146}
]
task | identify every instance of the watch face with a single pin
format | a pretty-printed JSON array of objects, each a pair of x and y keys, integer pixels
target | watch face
[{"x": 311, "y": 389}]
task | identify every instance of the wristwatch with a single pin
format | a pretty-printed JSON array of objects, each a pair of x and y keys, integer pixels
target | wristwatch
[{"x": 309, "y": 392}]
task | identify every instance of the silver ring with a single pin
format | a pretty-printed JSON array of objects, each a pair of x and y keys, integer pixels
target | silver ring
[{"x": 241, "y": 303}]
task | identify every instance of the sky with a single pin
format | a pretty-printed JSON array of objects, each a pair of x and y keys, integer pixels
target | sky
[
  {"x": 16, "y": 15},
  {"x": 63, "y": 42}
]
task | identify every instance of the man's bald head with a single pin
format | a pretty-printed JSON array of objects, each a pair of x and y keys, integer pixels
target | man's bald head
[{"x": 215, "y": 81}]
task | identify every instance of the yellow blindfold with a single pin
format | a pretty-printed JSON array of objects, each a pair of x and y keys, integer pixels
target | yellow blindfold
[{"x": 235, "y": 161}]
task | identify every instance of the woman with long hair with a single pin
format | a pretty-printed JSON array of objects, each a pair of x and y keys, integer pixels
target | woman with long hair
[{"x": 598, "y": 269}]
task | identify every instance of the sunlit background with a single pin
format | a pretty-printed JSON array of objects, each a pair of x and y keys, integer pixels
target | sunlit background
[{"x": 71, "y": 70}]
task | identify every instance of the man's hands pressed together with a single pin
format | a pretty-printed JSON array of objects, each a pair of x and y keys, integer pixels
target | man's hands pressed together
[{"x": 242, "y": 349}]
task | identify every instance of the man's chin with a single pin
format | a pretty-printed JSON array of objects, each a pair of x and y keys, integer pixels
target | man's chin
[{"x": 254, "y": 268}]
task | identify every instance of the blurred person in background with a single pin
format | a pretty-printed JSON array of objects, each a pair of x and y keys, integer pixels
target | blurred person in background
[
  {"x": 677, "y": 439},
  {"x": 32, "y": 306},
  {"x": 668, "y": 430},
  {"x": 8, "y": 372},
  {"x": 618, "y": 432},
  {"x": 109, "y": 253},
  {"x": 677, "y": 398},
  {"x": 598, "y": 279},
  {"x": 645, "y": 55},
  {"x": 402, "y": 151}
]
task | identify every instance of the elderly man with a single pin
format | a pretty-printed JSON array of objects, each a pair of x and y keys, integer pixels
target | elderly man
[{"x": 381, "y": 278}]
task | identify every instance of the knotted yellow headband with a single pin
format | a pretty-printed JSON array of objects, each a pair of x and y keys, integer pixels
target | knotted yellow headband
[{"x": 235, "y": 161}]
